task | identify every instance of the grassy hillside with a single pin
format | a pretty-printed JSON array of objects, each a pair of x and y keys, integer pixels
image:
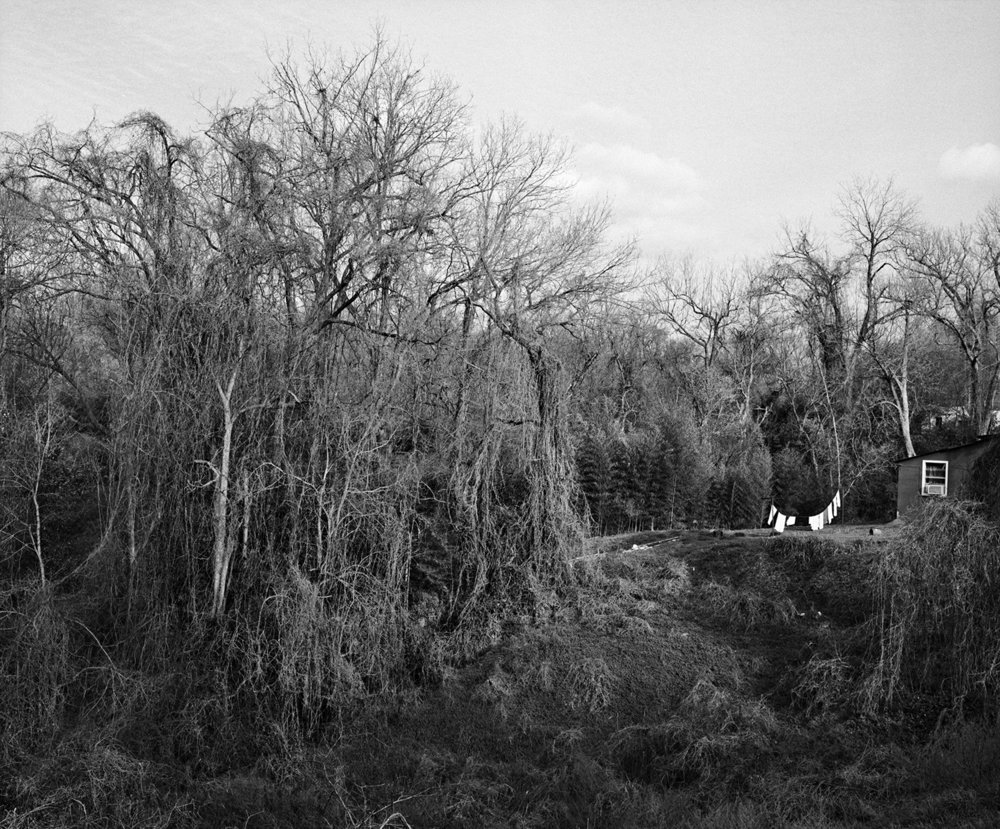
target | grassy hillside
[{"x": 689, "y": 679}]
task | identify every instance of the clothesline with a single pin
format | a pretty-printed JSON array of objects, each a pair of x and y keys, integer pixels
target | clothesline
[{"x": 779, "y": 520}]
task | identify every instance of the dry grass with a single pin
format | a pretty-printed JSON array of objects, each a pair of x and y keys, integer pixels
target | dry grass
[
  {"x": 715, "y": 726},
  {"x": 89, "y": 780},
  {"x": 716, "y": 732},
  {"x": 36, "y": 669},
  {"x": 554, "y": 726},
  {"x": 743, "y": 608},
  {"x": 589, "y": 686},
  {"x": 938, "y": 611},
  {"x": 826, "y": 684}
]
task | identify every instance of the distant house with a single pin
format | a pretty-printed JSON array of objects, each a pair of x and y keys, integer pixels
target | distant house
[
  {"x": 944, "y": 417},
  {"x": 939, "y": 474},
  {"x": 949, "y": 416}
]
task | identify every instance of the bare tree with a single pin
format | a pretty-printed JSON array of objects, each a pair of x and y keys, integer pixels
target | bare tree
[
  {"x": 988, "y": 238},
  {"x": 530, "y": 264},
  {"x": 349, "y": 167},
  {"x": 698, "y": 304},
  {"x": 960, "y": 293},
  {"x": 729, "y": 319},
  {"x": 838, "y": 299},
  {"x": 837, "y": 303},
  {"x": 891, "y": 350}
]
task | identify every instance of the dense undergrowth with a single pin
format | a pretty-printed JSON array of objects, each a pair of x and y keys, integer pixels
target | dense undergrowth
[
  {"x": 304, "y": 421},
  {"x": 704, "y": 680}
]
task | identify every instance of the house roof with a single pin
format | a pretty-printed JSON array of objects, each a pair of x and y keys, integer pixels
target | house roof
[{"x": 976, "y": 442}]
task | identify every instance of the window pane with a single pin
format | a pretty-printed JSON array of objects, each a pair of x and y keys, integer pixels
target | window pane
[{"x": 935, "y": 472}]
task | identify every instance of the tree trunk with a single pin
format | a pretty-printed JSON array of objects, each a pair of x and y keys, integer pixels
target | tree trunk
[{"x": 222, "y": 549}]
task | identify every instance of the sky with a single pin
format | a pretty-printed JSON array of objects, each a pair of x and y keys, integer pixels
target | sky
[{"x": 710, "y": 125}]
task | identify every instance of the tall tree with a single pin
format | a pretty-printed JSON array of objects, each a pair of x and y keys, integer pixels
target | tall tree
[
  {"x": 838, "y": 299},
  {"x": 961, "y": 295}
]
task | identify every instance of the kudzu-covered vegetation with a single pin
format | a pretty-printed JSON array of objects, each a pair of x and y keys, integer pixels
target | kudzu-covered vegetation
[
  {"x": 300, "y": 410},
  {"x": 311, "y": 360}
]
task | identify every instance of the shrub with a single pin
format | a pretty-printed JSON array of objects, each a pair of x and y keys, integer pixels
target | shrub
[
  {"x": 35, "y": 667},
  {"x": 825, "y": 684},
  {"x": 714, "y": 730},
  {"x": 938, "y": 609},
  {"x": 743, "y": 608},
  {"x": 983, "y": 480},
  {"x": 798, "y": 552},
  {"x": 590, "y": 686}
]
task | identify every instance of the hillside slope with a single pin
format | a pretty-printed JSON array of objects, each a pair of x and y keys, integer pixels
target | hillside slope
[{"x": 694, "y": 679}]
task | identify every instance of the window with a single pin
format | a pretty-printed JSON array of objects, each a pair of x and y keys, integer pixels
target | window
[{"x": 935, "y": 478}]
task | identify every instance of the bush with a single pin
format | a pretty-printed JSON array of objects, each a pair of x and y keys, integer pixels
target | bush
[
  {"x": 743, "y": 608},
  {"x": 714, "y": 731},
  {"x": 938, "y": 610},
  {"x": 983, "y": 481},
  {"x": 35, "y": 666},
  {"x": 825, "y": 684},
  {"x": 590, "y": 686}
]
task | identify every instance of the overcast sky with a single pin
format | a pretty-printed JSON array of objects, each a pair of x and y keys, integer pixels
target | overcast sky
[{"x": 708, "y": 123}]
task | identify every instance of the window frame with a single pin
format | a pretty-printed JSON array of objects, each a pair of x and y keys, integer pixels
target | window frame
[{"x": 924, "y": 482}]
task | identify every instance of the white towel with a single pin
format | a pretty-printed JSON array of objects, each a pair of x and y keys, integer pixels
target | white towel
[
  {"x": 836, "y": 502},
  {"x": 790, "y": 521},
  {"x": 771, "y": 515},
  {"x": 828, "y": 514},
  {"x": 779, "y": 523}
]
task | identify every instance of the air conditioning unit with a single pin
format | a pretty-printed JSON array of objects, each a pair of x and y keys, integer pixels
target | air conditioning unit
[{"x": 934, "y": 489}]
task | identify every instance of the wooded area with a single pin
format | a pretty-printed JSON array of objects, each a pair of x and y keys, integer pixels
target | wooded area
[{"x": 349, "y": 378}]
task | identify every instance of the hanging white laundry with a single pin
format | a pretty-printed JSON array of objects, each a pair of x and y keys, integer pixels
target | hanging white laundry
[
  {"x": 828, "y": 514},
  {"x": 836, "y": 503},
  {"x": 771, "y": 515},
  {"x": 790, "y": 521},
  {"x": 812, "y": 523},
  {"x": 779, "y": 523}
]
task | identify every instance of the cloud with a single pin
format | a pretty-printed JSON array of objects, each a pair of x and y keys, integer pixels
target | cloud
[
  {"x": 628, "y": 164},
  {"x": 657, "y": 200},
  {"x": 977, "y": 162},
  {"x": 603, "y": 116}
]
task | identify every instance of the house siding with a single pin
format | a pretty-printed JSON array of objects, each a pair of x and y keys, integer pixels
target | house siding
[{"x": 910, "y": 473}]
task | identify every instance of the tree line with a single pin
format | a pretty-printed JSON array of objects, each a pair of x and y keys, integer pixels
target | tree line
[{"x": 343, "y": 360}]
